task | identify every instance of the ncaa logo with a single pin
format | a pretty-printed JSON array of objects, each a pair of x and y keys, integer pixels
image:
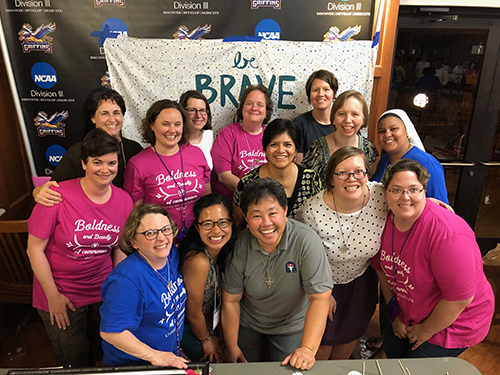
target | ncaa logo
[
  {"x": 268, "y": 29},
  {"x": 44, "y": 75},
  {"x": 54, "y": 154}
]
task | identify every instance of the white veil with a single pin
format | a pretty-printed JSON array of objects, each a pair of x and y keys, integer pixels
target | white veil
[{"x": 410, "y": 128}]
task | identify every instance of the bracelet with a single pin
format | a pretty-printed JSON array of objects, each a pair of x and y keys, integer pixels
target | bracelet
[{"x": 205, "y": 339}]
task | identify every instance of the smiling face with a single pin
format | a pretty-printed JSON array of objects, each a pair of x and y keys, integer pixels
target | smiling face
[
  {"x": 392, "y": 136},
  {"x": 155, "y": 251},
  {"x": 350, "y": 189},
  {"x": 215, "y": 238},
  {"x": 281, "y": 151},
  {"x": 101, "y": 169},
  {"x": 406, "y": 208},
  {"x": 254, "y": 108},
  {"x": 349, "y": 118},
  {"x": 108, "y": 116},
  {"x": 168, "y": 130},
  {"x": 266, "y": 220},
  {"x": 321, "y": 94},
  {"x": 196, "y": 120}
]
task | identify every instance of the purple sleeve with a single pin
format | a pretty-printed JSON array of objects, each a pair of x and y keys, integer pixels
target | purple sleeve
[
  {"x": 222, "y": 151},
  {"x": 132, "y": 182},
  {"x": 453, "y": 263}
]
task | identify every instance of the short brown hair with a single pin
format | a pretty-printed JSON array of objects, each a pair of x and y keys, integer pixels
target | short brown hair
[
  {"x": 148, "y": 134},
  {"x": 269, "y": 103},
  {"x": 133, "y": 222},
  {"x": 338, "y": 157},
  {"x": 403, "y": 165},
  {"x": 197, "y": 95},
  {"x": 341, "y": 99},
  {"x": 323, "y": 75}
]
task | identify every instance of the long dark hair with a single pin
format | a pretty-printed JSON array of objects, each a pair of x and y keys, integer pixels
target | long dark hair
[{"x": 193, "y": 243}]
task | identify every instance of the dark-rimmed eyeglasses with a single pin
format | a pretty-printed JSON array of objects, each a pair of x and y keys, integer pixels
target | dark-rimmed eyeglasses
[
  {"x": 358, "y": 175},
  {"x": 209, "y": 224},
  {"x": 193, "y": 111},
  {"x": 412, "y": 192},
  {"x": 152, "y": 234}
]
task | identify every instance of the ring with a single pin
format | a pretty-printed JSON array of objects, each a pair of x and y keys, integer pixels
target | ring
[
  {"x": 304, "y": 363},
  {"x": 413, "y": 339}
]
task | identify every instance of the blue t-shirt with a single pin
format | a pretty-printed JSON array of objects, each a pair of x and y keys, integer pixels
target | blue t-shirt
[
  {"x": 436, "y": 187},
  {"x": 137, "y": 299}
]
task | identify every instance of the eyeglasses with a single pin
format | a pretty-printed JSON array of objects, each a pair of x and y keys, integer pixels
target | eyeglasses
[
  {"x": 209, "y": 224},
  {"x": 193, "y": 111},
  {"x": 152, "y": 234},
  {"x": 358, "y": 175},
  {"x": 412, "y": 192}
]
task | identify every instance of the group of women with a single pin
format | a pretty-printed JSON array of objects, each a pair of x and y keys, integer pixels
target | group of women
[{"x": 182, "y": 273}]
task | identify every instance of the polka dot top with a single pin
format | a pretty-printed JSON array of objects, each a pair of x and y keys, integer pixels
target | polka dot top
[{"x": 364, "y": 242}]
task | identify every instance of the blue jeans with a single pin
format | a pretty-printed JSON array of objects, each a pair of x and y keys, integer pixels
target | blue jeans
[
  {"x": 258, "y": 347},
  {"x": 395, "y": 347}
]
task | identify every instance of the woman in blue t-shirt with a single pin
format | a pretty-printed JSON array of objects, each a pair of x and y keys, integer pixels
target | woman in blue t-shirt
[{"x": 142, "y": 316}]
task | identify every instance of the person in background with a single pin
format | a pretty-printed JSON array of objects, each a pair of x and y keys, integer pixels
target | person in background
[
  {"x": 70, "y": 246},
  {"x": 421, "y": 65},
  {"x": 171, "y": 172},
  {"x": 277, "y": 284},
  {"x": 430, "y": 271},
  {"x": 105, "y": 109},
  {"x": 321, "y": 88},
  {"x": 204, "y": 254},
  {"x": 280, "y": 142},
  {"x": 238, "y": 147},
  {"x": 349, "y": 217},
  {"x": 349, "y": 114},
  {"x": 142, "y": 314},
  {"x": 199, "y": 120},
  {"x": 398, "y": 138}
]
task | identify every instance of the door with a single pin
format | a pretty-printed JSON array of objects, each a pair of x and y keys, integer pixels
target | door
[{"x": 452, "y": 56}]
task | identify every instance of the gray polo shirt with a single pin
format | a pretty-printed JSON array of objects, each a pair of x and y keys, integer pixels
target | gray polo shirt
[{"x": 298, "y": 267}]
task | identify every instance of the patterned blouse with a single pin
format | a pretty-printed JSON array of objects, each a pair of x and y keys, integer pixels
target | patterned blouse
[
  {"x": 307, "y": 185},
  {"x": 212, "y": 286},
  {"x": 318, "y": 154}
]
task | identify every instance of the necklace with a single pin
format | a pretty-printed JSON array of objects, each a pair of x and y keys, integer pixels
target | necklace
[
  {"x": 269, "y": 269},
  {"x": 255, "y": 162},
  {"x": 345, "y": 247}
]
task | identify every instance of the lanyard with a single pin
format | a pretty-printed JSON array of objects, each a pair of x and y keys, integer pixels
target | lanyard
[
  {"x": 181, "y": 191},
  {"x": 176, "y": 309},
  {"x": 395, "y": 264}
]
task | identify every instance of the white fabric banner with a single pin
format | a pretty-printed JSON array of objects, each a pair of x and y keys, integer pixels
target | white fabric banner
[{"x": 147, "y": 70}]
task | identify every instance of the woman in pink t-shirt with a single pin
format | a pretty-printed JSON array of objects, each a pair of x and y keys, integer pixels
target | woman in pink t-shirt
[
  {"x": 70, "y": 246},
  {"x": 430, "y": 271},
  {"x": 238, "y": 147},
  {"x": 171, "y": 173}
]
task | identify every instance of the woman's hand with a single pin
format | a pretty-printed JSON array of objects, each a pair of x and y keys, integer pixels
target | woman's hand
[
  {"x": 58, "y": 305},
  {"x": 332, "y": 308},
  {"x": 418, "y": 335},
  {"x": 212, "y": 350},
  {"x": 400, "y": 329},
  {"x": 301, "y": 358},
  {"x": 168, "y": 359},
  {"x": 45, "y": 196},
  {"x": 442, "y": 204},
  {"x": 233, "y": 354}
]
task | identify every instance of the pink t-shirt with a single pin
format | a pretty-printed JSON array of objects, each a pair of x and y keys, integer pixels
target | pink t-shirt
[
  {"x": 146, "y": 177},
  {"x": 81, "y": 236},
  {"x": 440, "y": 260},
  {"x": 236, "y": 151}
]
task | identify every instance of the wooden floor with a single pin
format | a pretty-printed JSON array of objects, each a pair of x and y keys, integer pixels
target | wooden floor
[{"x": 31, "y": 348}]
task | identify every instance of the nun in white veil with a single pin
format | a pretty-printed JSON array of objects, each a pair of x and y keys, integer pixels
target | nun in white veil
[{"x": 398, "y": 138}]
